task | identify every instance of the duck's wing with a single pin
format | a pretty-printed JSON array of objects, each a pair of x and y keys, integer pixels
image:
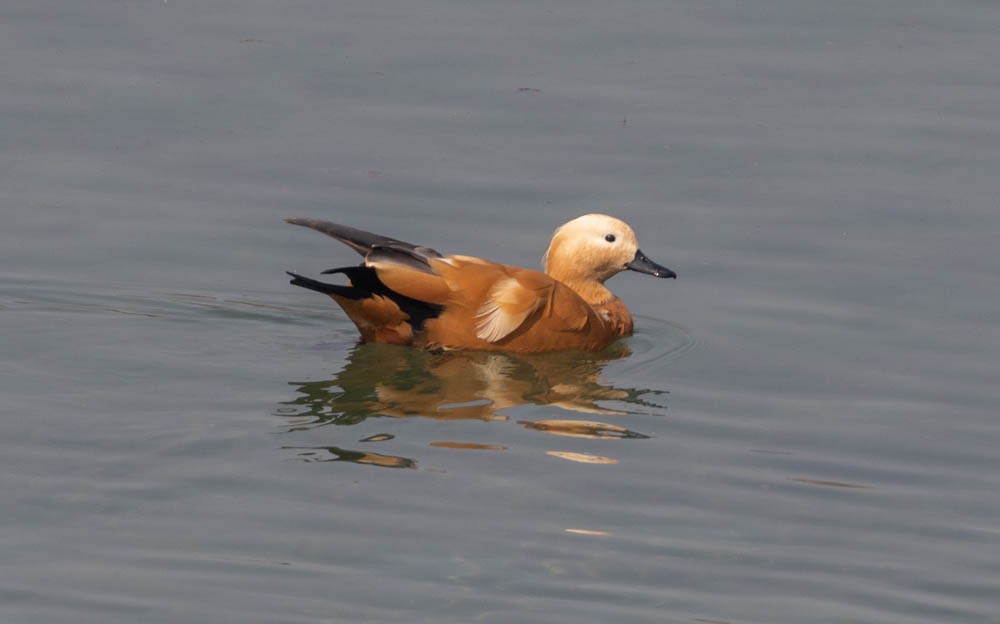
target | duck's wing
[
  {"x": 359, "y": 240},
  {"x": 500, "y": 299},
  {"x": 409, "y": 272},
  {"x": 508, "y": 305},
  {"x": 505, "y": 299},
  {"x": 393, "y": 269}
]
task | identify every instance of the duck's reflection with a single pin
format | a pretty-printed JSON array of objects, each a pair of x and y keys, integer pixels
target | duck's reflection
[
  {"x": 389, "y": 381},
  {"x": 335, "y": 454}
]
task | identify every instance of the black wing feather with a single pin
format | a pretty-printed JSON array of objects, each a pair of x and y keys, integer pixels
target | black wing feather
[{"x": 359, "y": 240}]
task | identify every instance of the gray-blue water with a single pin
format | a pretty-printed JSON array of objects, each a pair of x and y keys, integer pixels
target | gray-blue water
[{"x": 803, "y": 429}]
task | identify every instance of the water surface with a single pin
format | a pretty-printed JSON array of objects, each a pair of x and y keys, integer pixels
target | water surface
[{"x": 803, "y": 428}]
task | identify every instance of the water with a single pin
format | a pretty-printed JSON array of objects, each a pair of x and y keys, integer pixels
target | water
[{"x": 803, "y": 428}]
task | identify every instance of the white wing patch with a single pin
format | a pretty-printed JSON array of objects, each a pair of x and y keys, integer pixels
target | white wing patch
[{"x": 509, "y": 304}]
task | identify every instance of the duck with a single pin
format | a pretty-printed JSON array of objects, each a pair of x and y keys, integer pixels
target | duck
[{"x": 412, "y": 295}]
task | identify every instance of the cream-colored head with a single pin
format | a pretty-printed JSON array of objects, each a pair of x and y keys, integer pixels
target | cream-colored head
[{"x": 593, "y": 248}]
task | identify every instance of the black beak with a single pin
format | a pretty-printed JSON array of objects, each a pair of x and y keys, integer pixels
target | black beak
[{"x": 642, "y": 264}]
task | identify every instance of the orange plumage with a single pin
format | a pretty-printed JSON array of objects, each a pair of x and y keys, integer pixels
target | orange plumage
[{"x": 411, "y": 295}]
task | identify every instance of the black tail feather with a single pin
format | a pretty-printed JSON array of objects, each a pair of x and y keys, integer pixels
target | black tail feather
[
  {"x": 364, "y": 284},
  {"x": 349, "y": 292}
]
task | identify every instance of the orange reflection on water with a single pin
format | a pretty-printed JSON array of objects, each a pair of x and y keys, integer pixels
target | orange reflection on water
[
  {"x": 581, "y": 429},
  {"x": 386, "y": 380},
  {"x": 582, "y": 458},
  {"x": 336, "y": 454},
  {"x": 586, "y": 532},
  {"x": 470, "y": 446}
]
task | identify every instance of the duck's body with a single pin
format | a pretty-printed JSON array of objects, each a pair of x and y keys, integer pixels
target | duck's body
[{"x": 411, "y": 295}]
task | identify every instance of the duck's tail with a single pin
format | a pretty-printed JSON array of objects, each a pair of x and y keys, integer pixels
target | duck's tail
[
  {"x": 322, "y": 287},
  {"x": 365, "y": 284}
]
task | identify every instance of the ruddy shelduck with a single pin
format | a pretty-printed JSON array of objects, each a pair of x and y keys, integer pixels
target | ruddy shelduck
[{"x": 412, "y": 295}]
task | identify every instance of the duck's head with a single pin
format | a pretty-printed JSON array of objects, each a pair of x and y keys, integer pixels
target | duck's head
[{"x": 594, "y": 247}]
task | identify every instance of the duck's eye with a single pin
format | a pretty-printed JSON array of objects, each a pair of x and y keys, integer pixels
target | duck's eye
[{"x": 609, "y": 237}]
